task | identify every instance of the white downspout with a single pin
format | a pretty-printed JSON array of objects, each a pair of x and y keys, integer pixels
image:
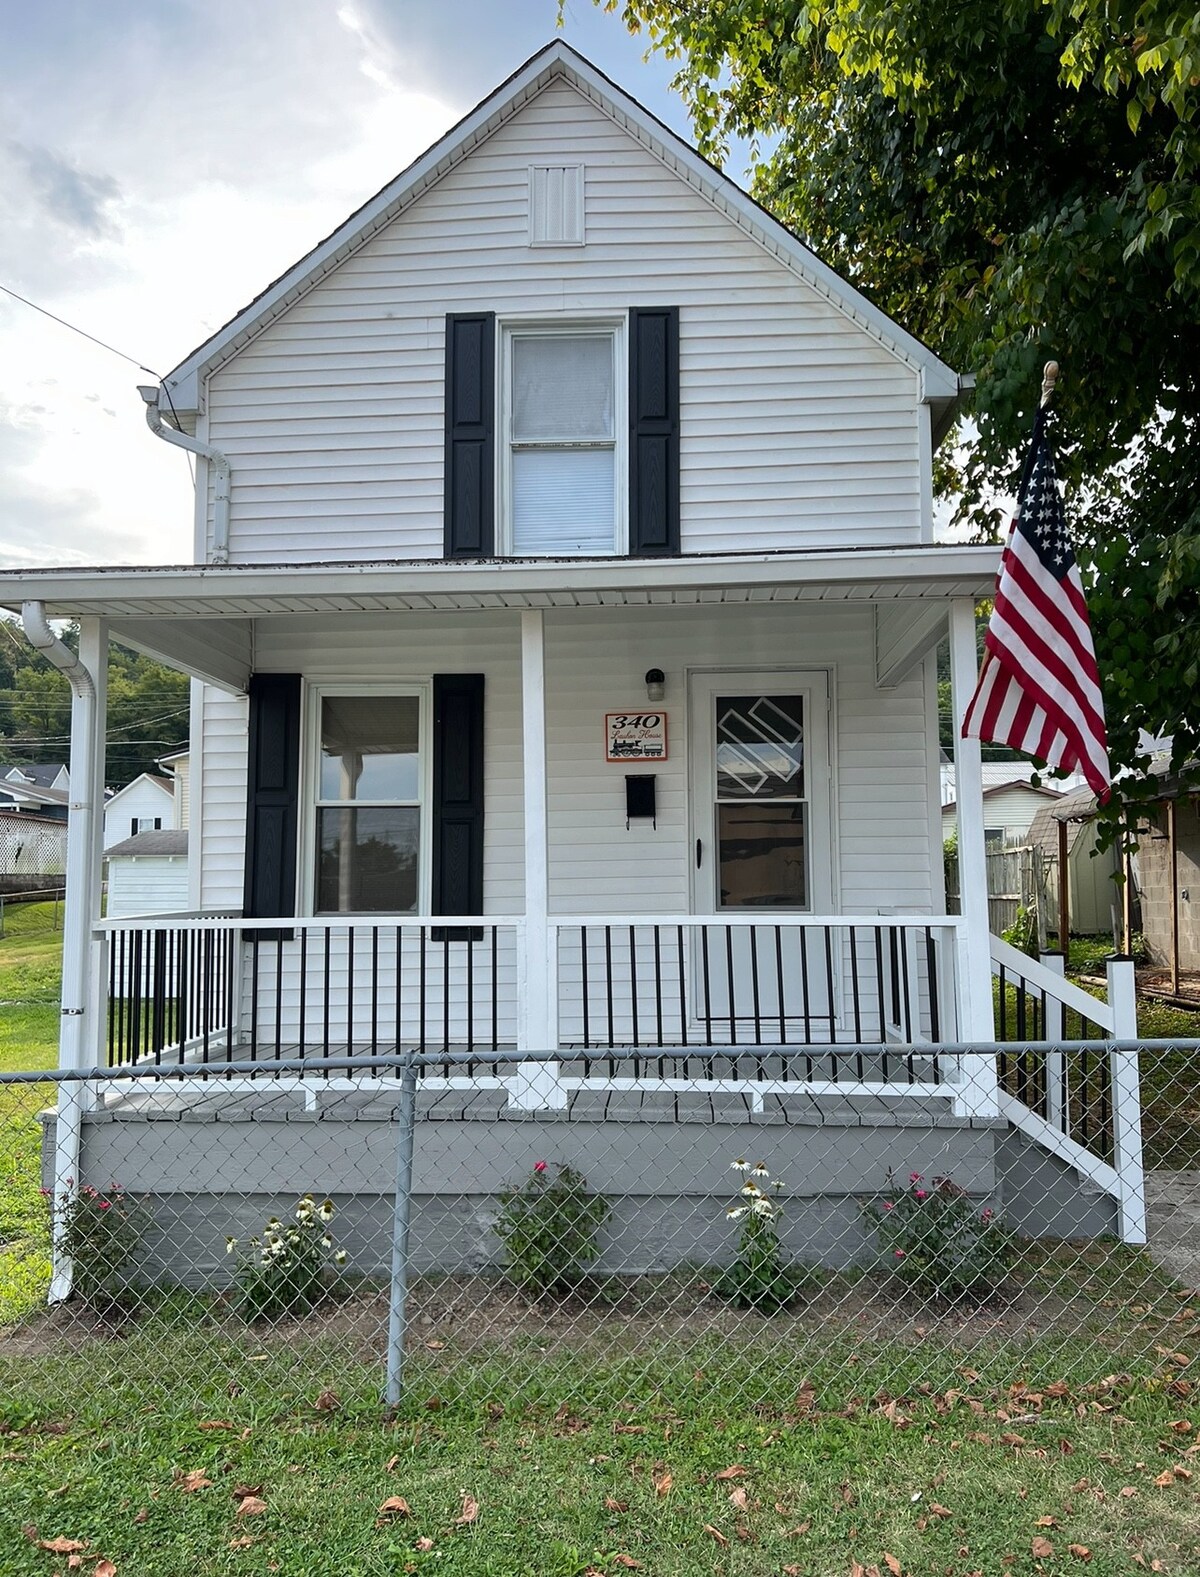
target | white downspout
[
  {"x": 220, "y": 466},
  {"x": 77, "y": 915}
]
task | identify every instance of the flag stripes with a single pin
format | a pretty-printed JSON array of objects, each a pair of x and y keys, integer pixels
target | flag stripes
[{"x": 1039, "y": 689}]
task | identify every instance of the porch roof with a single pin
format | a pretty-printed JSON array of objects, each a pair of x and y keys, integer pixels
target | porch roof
[{"x": 153, "y": 608}]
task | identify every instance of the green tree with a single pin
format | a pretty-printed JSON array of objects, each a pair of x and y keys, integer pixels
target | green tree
[
  {"x": 147, "y": 708},
  {"x": 1014, "y": 181}
]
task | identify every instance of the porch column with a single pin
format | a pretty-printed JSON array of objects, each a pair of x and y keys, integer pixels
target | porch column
[
  {"x": 977, "y": 1020},
  {"x": 537, "y": 1018},
  {"x": 82, "y": 1022}
]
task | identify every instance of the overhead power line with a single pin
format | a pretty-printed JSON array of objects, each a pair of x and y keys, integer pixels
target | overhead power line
[{"x": 75, "y": 329}]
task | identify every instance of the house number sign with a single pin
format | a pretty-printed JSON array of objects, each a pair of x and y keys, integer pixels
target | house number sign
[{"x": 635, "y": 736}]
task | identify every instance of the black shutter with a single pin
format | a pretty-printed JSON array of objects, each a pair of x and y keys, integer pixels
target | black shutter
[
  {"x": 273, "y": 793},
  {"x": 653, "y": 431},
  {"x": 458, "y": 800},
  {"x": 469, "y": 484}
]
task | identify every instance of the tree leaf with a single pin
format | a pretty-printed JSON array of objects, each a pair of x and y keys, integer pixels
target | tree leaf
[
  {"x": 395, "y": 1506},
  {"x": 1041, "y": 1547},
  {"x": 61, "y": 1545},
  {"x": 469, "y": 1512},
  {"x": 251, "y": 1506},
  {"x": 736, "y": 1470},
  {"x": 715, "y": 1533},
  {"x": 195, "y": 1479},
  {"x": 663, "y": 1485}
]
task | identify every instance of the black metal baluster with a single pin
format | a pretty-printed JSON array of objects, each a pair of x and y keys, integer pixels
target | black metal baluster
[
  {"x": 854, "y": 993},
  {"x": 470, "y": 947},
  {"x": 300, "y": 1027},
  {"x": 374, "y": 990},
  {"x": 755, "y": 995},
  {"x": 658, "y": 1006},
  {"x": 350, "y": 991},
  {"x": 424, "y": 985},
  {"x": 495, "y": 988},
  {"x": 708, "y": 1040},
  {"x": 115, "y": 1058},
  {"x": 255, "y": 944},
  {"x": 729, "y": 976},
  {"x": 827, "y": 948},
  {"x": 608, "y": 975},
  {"x": 325, "y": 977},
  {"x": 683, "y": 1005},
  {"x": 446, "y": 998},
  {"x": 278, "y": 995},
  {"x": 781, "y": 991},
  {"x": 633, "y": 990},
  {"x": 881, "y": 998},
  {"x": 935, "y": 1017},
  {"x": 583, "y": 988}
]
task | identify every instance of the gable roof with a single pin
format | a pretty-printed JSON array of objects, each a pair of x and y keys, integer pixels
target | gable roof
[
  {"x": 166, "y": 841},
  {"x": 1006, "y": 788},
  {"x": 165, "y": 786},
  {"x": 42, "y": 773},
  {"x": 940, "y": 385}
]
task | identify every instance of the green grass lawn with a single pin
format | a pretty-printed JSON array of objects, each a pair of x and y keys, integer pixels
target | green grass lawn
[
  {"x": 30, "y": 979},
  {"x": 711, "y": 1458}
]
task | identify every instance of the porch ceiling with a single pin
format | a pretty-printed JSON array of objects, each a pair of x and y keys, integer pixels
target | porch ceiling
[{"x": 154, "y": 608}]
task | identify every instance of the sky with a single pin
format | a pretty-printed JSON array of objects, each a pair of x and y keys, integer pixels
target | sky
[{"x": 159, "y": 165}]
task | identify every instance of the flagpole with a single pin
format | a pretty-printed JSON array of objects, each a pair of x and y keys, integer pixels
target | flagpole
[{"x": 1049, "y": 379}]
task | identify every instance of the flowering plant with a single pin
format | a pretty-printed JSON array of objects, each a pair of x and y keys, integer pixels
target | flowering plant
[
  {"x": 758, "y": 1277},
  {"x": 550, "y": 1228},
  {"x": 934, "y": 1239},
  {"x": 98, "y": 1231},
  {"x": 286, "y": 1270}
]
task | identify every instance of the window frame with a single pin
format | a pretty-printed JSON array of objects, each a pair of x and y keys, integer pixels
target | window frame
[
  {"x": 616, "y": 327},
  {"x": 316, "y": 692}
]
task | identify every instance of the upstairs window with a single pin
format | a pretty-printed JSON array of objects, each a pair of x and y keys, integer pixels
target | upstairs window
[{"x": 563, "y": 456}]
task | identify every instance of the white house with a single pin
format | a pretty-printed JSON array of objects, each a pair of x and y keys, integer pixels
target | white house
[
  {"x": 1008, "y": 811},
  {"x": 563, "y": 623},
  {"x": 145, "y": 805}
]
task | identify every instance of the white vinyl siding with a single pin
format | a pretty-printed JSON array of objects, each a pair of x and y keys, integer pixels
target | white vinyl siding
[
  {"x": 146, "y": 884},
  {"x": 797, "y": 428},
  {"x": 595, "y": 662}
]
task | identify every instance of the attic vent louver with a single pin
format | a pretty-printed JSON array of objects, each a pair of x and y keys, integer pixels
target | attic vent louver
[{"x": 556, "y": 205}]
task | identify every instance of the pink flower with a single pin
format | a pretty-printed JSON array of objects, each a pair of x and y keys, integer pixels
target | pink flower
[
  {"x": 888, "y": 1205},
  {"x": 899, "y": 1253},
  {"x": 987, "y": 1215},
  {"x": 539, "y": 1166},
  {"x": 103, "y": 1205},
  {"x": 921, "y": 1194},
  {"x": 914, "y": 1177}
]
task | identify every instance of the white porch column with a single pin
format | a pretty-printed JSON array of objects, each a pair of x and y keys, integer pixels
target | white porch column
[
  {"x": 537, "y": 1083},
  {"x": 977, "y": 1020},
  {"x": 1127, "y": 1103},
  {"x": 82, "y": 1023}
]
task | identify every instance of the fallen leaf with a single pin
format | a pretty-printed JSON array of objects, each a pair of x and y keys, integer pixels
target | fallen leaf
[
  {"x": 615, "y": 1505},
  {"x": 1164, "y": 1478},
  {"x": 390, "y": 1464},
  {"x": 738, "y": 1498},
  {"x": 241, "y": 1491},
  {"x": 214, "y": 1423},
  {"x": 663, "y": 1485},
  {"x": 244, "y": 1543},
  {"x": 251, "y": 1506},
  {"x": 61, "y": 1546},
  {"x": 715, "y": 1533},
  {"x": 1041, "y": 1547},
  {"x": 193, "y": 1480},
  {"x": 799, "y": 1530},
  {"x": 1127, "y": 1493},
  {"x": 424, "y": 1543},
  {"x": 142, "y": 1516},
  {"x": 105, "y": 1569},
  {"x": 327, "y": 1402},
  {"x": 848, "y": 1496},
  {"x": 74, "y": 1562},
  {"x": 395, "y": 1506},
  {"x": 434, "y": 1345},
  {"x": 470, "y": 1510},
  {"x": 629, "y": 1562},
  {"x": 1080, "y": 1552},
  {"x": 892, "y": 1564},
  {"x": 939, "y": 1511},
  {"x": 1183, "y": 1473},
  {"x": 1046, "y": 1522},
  {"x": 736, "y": 1471}
]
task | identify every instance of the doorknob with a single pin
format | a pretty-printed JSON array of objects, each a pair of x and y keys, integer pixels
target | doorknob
[{"x": 699, "y": 852}]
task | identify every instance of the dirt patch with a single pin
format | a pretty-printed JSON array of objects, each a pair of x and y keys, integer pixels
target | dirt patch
[{"x": 452, "y": 1318}]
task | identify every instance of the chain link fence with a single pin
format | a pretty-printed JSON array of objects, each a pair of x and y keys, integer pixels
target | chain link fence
[{"x": 389, "y": 1229}]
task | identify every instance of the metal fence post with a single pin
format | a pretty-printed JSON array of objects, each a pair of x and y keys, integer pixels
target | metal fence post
[
  {"x": 1125, "y": 1074},
  {"x": 398, "y": 1282}
]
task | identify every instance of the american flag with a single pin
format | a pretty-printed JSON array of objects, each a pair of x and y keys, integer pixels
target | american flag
[{"x": 1039, "y": 689}]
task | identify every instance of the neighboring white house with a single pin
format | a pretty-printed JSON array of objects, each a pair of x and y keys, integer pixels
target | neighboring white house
[
  {"x": 178, "y": 767},
  {"x": 147, "y": 874},
  {"x": 145, "y": 805},
  {"x": 564, "y": 625},
  {"x": 40, "y": 787},
  {"x": 1008, "y": 811}
]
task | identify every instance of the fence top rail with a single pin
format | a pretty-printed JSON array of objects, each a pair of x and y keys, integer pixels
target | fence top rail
[
  {"x": 228, "y": 920},
  {"x": 439, "y": 1060}
]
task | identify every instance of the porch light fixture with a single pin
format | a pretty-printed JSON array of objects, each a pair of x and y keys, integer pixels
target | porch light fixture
[{"x": 656, "y": 684}]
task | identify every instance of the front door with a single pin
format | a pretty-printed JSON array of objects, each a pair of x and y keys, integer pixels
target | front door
[{"x": 760, "y": 810}]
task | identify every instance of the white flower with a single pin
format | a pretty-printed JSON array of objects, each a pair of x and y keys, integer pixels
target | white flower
[
  {"x": 303, "y": 1212},
  {"x": 340, "y": 1257},
  {"x": 760, "y": 1171},
  {"x": 273, "y": 1222},
  {"x": 763, "y": 1207},
  {"x": 750, "y": 1190},
  {"x": 230, "y": 1245},
  {"x": 777, "y": 1186},
  {"x": 327, "y": 1241},
  {"x": 739, "y": 1165},
  {"x": 325, "y": 1213},
  {"x": 735, "y": 1213}
]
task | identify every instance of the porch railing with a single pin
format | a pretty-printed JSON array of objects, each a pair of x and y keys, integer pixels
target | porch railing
[{"x": 210, "y": 988}]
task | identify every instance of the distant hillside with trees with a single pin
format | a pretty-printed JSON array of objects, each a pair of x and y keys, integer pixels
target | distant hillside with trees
[{"x": 147, "y": 707}]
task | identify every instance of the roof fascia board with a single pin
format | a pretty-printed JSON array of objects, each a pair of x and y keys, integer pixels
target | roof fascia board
[
  {"x": 93, "y": 589},
  {"x": 937, "y": 380}
]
